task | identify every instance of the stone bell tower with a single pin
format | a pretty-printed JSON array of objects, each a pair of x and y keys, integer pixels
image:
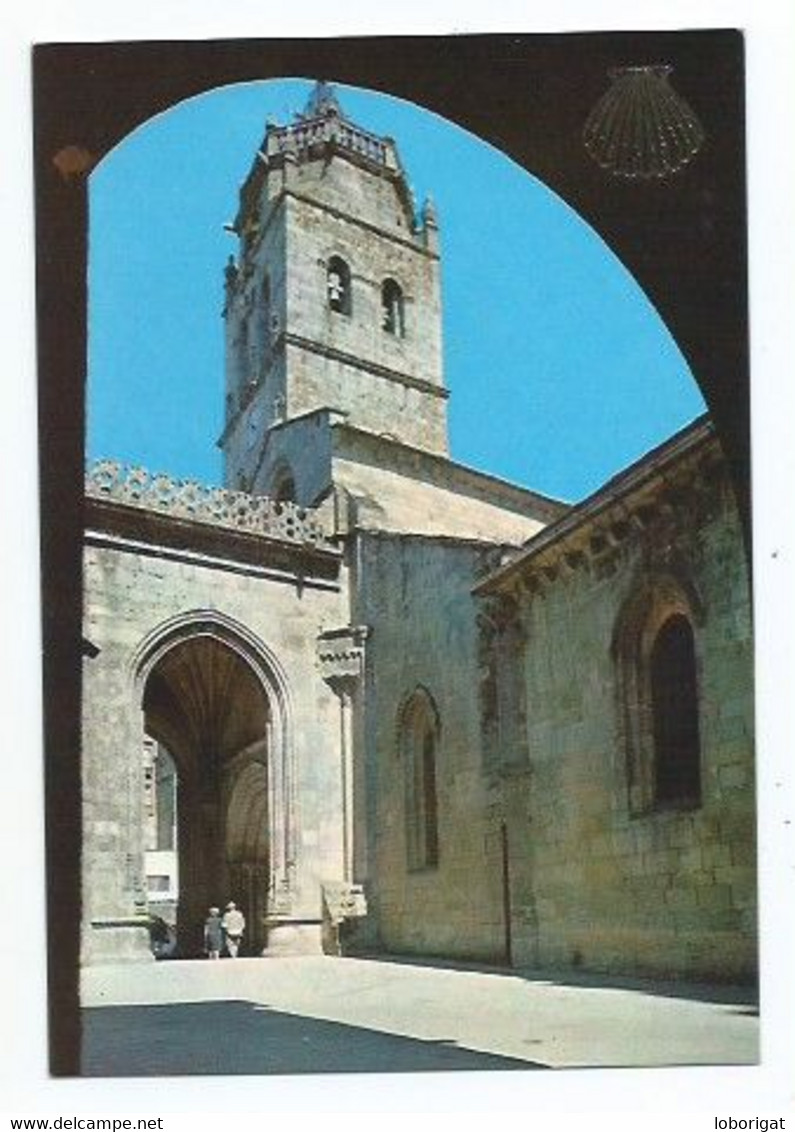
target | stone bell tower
[{"x": 333, "y": 301}]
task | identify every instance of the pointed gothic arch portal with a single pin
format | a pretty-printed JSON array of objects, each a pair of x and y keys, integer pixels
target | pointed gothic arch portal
[{"x": 221, "y": 718}]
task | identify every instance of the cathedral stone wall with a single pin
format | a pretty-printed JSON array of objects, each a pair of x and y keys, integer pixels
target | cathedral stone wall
[
  {"x": 390, "y": 487},
  {"x": 437, "y": 685},
  {"x": 605, "y": 879},
  {"x": 389, "y": 501},
  {"x": 243, "y": 436},
  {"x": 548, "y": 848},
  {"x": 416, "y": 592}
]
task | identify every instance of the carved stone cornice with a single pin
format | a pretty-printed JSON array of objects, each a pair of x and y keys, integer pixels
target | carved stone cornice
[
  {"x": 340, "y": 654},
  {"x": 344, "y": 900}
]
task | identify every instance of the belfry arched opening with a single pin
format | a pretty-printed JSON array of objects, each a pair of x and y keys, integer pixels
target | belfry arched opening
[{"x": 205, "y": 706}]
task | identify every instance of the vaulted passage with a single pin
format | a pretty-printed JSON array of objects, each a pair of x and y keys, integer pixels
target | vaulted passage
[{"x": 206, "y": 706}]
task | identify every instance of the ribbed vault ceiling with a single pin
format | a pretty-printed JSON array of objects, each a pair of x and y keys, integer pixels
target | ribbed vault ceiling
[{"x": 204, "y": 703}]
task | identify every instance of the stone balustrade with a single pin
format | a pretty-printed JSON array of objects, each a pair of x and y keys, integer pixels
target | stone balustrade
[
  {"x": 189, "y": 500},
  {"x": 304, "y": 135}
]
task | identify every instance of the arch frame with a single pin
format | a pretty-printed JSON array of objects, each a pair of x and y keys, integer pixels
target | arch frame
[{"x": 281, "y": 756}]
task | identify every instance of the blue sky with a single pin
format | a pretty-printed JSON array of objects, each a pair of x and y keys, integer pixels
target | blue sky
[{"x": 559, "y": 368}]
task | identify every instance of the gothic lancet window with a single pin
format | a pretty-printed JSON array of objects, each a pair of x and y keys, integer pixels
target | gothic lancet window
[
  {"x": 419, "y": 742},
  {"x": 655, "y": 647},
  {"x": 338, "y": 285},
  {"x": 392, "y": 308},
  {"x": 674, "y": 705}
]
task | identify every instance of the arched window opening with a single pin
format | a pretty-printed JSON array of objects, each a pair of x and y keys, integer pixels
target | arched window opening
[
  {"x": 655, "y": 648},
  {"x": 283, "y": 490},
  {"x": 338, "y": 285},
  {"x": 674, "y": 703},
  {"x": 419, "y": 741},
  {"x": 429, "y": 808},
  {"x": 244, "y": 351},
  {"x": 392, "y": 308},
  {"x": 265, "y": 315}
]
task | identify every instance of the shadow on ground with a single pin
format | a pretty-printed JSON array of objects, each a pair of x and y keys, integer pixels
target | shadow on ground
[
  {"x": 235, "y": 1037},
  {"x": 731, "y": 994}
]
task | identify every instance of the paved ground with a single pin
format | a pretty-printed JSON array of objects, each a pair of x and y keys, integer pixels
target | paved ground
[{"x": 321, "y": 1014}]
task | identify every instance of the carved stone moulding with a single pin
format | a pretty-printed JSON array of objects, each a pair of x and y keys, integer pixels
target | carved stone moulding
[
  {"x": 340, "y": 654},
  {"x": 196, "y": 502}
]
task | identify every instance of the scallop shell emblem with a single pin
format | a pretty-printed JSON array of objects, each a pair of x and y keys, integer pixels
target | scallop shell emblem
[{"x": 641, "y": 128}]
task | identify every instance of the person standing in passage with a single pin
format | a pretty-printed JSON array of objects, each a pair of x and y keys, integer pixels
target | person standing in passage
[
  {"x": 213, "y": 934},
  {"x": 234, "y": 924}
]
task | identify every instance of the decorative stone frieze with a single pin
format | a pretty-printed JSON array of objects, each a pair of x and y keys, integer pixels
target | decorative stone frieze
[
  {"x": 343, "y": 901},
  {"x": 340, "y": 654},
  {"x": 199, "y": 503}
]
